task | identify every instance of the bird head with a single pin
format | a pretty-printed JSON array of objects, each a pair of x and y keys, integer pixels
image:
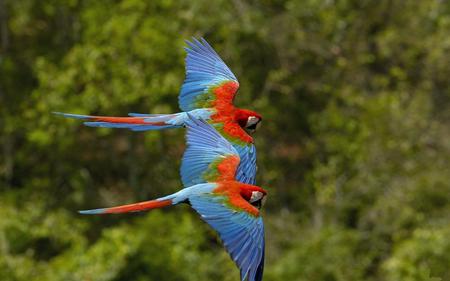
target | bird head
[
  {"x": 254, "y": 195},
  {"x": 248, "y": 120}
]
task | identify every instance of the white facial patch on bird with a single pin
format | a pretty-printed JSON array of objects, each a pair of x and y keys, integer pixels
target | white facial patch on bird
[
  {"x": 252, "y": 123},
  {"x": 252, "y": 120},
  {"x": 256, "y": 195}
]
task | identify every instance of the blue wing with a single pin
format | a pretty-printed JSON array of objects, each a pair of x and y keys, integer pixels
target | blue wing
[
  {"x": 241, "y": 233},
  {"x": 205, "y": 148},
  {"x": 246, "y": 172},
  {"x": 204, "y": 70}
]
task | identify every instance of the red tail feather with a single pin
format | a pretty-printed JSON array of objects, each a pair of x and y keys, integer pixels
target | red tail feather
[
  {"x": 136, "y": 207},
  {"x": 127, "y": 120}
]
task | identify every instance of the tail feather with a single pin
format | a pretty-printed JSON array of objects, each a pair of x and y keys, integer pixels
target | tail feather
[
  {"x": 181, "y": 196},
  {"x": 132, "y": 127},
  {"x": 70, "y": 115},
  {"x": 136, "y": 207},
  {"x": 133, "y": 114},
  {"x": 137, "y": 122}
]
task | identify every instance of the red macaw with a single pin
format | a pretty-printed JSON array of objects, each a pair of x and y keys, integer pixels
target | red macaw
[
  {"x": 207, "y": 93},
  {"x": 231, "y": 207}
]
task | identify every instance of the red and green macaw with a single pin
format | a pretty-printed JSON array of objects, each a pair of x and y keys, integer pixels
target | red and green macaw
[
  {"x": 207, "y": 93},
  {"x": 209, "y": 174}
]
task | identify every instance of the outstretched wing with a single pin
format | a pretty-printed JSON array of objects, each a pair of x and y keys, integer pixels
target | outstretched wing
[
  {"x": 241, "y": 230},
  {"x": 209, "y": 157},
  {"x": 246, "y": 172},
  {"x": 208, "y": 78}
]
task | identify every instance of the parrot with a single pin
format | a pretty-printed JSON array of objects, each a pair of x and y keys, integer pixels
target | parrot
[
  {"x": 230, "y": 207},
  {"x": 207, "y": 93}
]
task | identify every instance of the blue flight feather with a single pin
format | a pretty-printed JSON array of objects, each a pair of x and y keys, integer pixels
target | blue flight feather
[
  {"x": 204, "y": 146},
  {"x": 246, "y": 172},
  {"x": 204, "y": 69},
  {"x": 241, "y": 233}
]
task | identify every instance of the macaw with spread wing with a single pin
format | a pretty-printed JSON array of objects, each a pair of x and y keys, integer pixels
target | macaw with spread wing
[
  {"x": 231, "y": 207},
  {"x": 207, "y": 93}
]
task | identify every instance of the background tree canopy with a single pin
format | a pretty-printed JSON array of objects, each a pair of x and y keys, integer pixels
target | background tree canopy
[{"x": 354, "y": 147}]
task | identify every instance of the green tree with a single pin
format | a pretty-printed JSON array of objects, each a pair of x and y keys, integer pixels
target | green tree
[{"x": 353, "y": 148}]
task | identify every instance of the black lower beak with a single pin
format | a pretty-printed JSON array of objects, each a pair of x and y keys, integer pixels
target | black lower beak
[{"x": 257, "y": 204}]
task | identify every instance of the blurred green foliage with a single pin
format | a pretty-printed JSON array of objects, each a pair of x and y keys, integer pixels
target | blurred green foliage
[{"x": 354, "y": 147}]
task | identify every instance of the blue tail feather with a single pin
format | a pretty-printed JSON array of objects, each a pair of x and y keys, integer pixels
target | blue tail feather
[
  {"x": 71, "y": 115},
  {"x": 92, "y": 212},
  {"x": 134, "y": 127},
  {"x": 132, "y": 114}
]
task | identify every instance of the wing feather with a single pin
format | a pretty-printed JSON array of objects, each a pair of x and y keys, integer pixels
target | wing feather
[
  {"x": 205, "y": 70},
  {"x": 206, "y": 150},
  {"x": 246, "y": 172},
  {"x": 241, "y": 232}
]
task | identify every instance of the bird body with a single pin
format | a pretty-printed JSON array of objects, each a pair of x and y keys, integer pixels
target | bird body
[
  {"x": 143, "y": 122},
  {"x": 236, "y": 194},
  {"x": 207, "y": 93},
  {"x": 218, "y": 167},
  {"x": 229, "y": 206}
]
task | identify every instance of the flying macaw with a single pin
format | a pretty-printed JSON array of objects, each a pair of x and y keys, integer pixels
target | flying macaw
[
  {"x": 231, "y": 207},
  {"x": 207, "y": 93}
]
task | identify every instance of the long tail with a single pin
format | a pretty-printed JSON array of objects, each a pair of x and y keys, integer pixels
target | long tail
[
  {"x": 179, "y": 197},
  {"x": 137, "y": 122},
  {"x": 136, "y": 207}
]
